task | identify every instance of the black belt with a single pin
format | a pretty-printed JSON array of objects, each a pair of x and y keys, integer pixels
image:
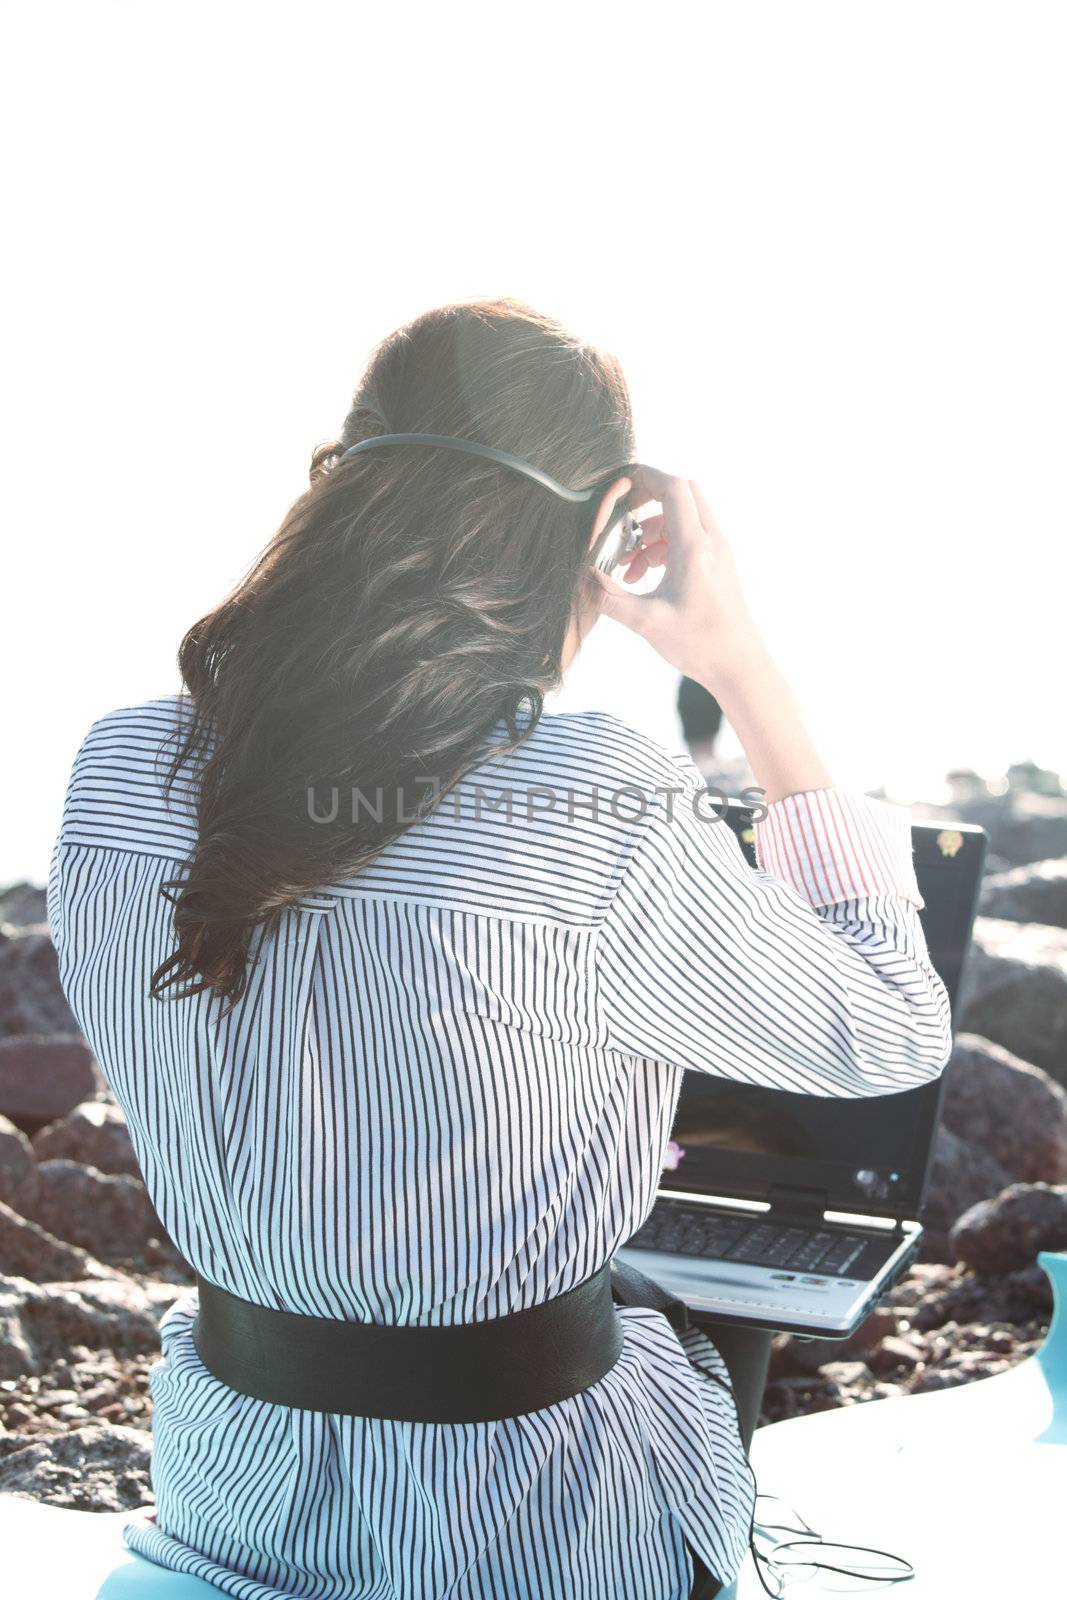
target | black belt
[{"x": 467, "y": 1372}]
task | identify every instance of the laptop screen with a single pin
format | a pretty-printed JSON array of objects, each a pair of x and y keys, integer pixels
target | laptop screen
[{"x": 870, "y": 1154}]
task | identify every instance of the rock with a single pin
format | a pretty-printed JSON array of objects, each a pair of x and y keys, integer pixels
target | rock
[
  {"x": 925, "y": 1279},
  {"x": 101, "y": 1384},
  {"x": 17, "y": 1353},
  {"x": 1021, "y": 827},
  {"x": 53, "y": 1399},
  {"x": 894, "y": 1353},
  {"x": 993, "y": 866},
  {"x": 1007, "y": 1232},
  {"x": 936, "y": 1351},
  {"x": 1035, "y": 829},
  {"x": 1019, "y": 1297},
  {"x": 39, "y": 1325},
  {"x": 99, "y": 1467},
  {"x": 961, "y": 1174},
  {"x": 961, "y": 1365},
  {"x": 872, "y": 1330},
  {"x": 846, "y": 1373},
  {"x": 934, "y": 1378},
  {"x": 19, "y": 1182},
  {"x": 45, "y": 1077},
  {"x": 23, "y": 905},
  {"x": 109, "y": 1215},
  {"x": 1034, "y": 893},
  {"x": 1015, "y": 991},
  {"x": 792, "y": 1356},
  {"x": 839, "y": 1383},
  {"x": 94, "y": 1133},
  {"x": 28, "y": 1251},
  {"x": 810, "y": 1394},
  {"x": 1033, "y": 779},
  {"x": 1011, "y": 1110},
  {"x": 31, "y": 1000}
]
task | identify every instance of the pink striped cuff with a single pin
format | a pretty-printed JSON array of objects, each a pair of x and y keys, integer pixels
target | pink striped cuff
[{"x": 833, "y": 844}]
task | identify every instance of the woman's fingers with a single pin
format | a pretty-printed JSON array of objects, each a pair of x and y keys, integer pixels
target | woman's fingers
[
  {"x": 644, "y": 559},
  {"x": 653, "y": 527},
  {"x": 647, "y": 483},
  {"x": 681, "y": 517},
  {"x": 651, "y": 552},
  {"x": 699, "y": 607},
  {"x": 655, "y": 551},
  {"x": 634, "y": 567},
  {"x": 667, "y": 534},
  {"x": 616, "y": 601}
]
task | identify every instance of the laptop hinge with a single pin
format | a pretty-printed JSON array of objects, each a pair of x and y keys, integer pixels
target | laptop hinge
[{"x": 795, "y": 1201}]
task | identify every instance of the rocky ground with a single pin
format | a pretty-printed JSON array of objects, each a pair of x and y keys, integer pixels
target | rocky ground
[{"x": 86, "y": 1269}]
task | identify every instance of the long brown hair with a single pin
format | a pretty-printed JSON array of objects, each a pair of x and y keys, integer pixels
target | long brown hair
[{"x": 411, "y": 598}]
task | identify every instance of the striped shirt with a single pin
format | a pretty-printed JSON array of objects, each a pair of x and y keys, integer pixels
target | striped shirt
[{"x": 445, "y": 1096}]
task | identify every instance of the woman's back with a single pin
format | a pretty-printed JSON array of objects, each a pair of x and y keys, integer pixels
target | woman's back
[{"x": 413, "y": 1115}]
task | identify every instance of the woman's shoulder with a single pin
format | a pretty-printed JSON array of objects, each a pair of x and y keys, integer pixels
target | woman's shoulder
[
  {"x": 115, "y": 793},
  {"x": 128, "y": 742},
  {"x": 141, "y": 721}
]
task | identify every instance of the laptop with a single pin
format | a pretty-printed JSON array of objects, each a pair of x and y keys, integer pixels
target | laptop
[{"x": 796, "y": 1212}]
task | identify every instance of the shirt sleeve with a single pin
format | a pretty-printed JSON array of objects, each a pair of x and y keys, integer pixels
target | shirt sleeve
[
  {"x": 54, "y": 895},
  {"x": 810, "y": 973}
]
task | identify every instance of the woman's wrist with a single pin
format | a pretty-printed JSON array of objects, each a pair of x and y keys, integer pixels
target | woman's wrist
[
  {"x": 737, "y": 670},
  {"x": 761, "y": 708},
  {"x": 732, "y": 660}
]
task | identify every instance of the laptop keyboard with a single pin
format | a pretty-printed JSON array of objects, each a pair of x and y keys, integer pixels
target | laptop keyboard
[{"x": 754, "y": 1242}]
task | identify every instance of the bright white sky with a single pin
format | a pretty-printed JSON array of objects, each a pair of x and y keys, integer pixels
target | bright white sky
[{"x": 827, "y": 241}]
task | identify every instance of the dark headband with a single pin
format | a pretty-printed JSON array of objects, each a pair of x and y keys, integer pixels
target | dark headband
[{"x": 474, "y": 448}]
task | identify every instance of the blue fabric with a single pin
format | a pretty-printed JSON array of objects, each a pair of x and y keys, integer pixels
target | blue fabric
[
  {"x": 135, "y": 1578},
  {"x": 1052, "y": 1354}
]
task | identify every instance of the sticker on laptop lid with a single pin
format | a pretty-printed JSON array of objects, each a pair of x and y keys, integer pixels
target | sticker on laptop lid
[
  {"x": 672, "y": 1155},
  {"x": 950, "y": 841}
]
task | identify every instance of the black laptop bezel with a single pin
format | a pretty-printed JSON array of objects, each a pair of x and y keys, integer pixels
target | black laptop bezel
[{"x": 744, "y": 1175}]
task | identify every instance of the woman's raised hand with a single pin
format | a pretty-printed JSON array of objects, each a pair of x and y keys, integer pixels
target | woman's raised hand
[{"x": 697, "y": 618}]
